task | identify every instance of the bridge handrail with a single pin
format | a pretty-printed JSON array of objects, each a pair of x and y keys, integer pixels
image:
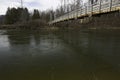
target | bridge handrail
[{"x": 89, "y": 9}]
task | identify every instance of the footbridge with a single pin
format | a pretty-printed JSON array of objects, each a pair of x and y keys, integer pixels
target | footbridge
[{"x": 88, "y": 10}]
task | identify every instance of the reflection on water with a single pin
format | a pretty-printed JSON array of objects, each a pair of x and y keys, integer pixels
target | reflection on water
[
  {"x": 61, "y": 55},
  {"x": 4, "y": 43}
]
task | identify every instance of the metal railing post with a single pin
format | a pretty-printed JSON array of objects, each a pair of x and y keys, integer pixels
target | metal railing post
[
  {"x": 110, "y": 5},
  {"x": 91, "y": 9},
  {"x": 100, "y": 6},
  {"x": 85, "y": 9}
]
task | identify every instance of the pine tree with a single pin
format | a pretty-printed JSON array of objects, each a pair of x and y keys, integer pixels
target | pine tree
[
  {"x": 36, "y": 14},
  {"x": 18, "y": 15}
]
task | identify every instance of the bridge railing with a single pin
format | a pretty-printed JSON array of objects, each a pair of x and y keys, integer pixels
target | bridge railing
[{"x": 97, "y": 8}]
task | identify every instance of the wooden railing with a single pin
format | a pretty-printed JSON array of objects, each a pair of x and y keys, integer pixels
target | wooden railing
[{"x": 89, "y": 10}]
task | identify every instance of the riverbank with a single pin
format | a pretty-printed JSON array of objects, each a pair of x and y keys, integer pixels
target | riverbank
[
  {"x": 108, "y": 21},
  {"x": 31, "y": 25},
  {"x": 26, "y": 27}
]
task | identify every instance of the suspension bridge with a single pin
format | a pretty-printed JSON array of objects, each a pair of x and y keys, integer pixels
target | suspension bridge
[{"x": 89, "y": 10}]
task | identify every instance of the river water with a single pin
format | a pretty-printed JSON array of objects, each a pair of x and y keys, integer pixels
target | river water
[{"x": 59, "y": 55}]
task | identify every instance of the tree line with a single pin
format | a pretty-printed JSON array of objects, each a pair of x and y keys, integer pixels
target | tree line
[
  {"x": 15, "y": 15},
  {"x": 19, "y": 15}
]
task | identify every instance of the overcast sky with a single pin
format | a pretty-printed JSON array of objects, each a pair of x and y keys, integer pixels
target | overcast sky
[{"x": 30, "y": 4}]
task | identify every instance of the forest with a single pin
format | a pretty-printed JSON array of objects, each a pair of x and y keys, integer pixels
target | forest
[{"x": 22, "y": 15}]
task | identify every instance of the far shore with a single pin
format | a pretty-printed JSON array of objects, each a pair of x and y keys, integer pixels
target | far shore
[
  {"x": 24, "y": 27},
  {"x": 52, "y": 28}
]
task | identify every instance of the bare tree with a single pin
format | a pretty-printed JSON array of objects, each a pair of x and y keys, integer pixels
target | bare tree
[{"x": 67, "y": 6}]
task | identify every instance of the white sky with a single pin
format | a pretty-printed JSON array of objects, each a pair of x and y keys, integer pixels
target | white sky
[{"x": 30, "y": 4}]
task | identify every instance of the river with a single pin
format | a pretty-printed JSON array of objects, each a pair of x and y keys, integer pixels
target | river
[{"x": 59, "y": 55}]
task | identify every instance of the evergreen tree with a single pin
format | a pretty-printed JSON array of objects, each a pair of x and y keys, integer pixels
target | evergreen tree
[
  {"x": 8, "y": 16},
  {"x": 36, "y": 14},
  {"x": 24, "y": 15},
  {"x": 18, "y": 15}
]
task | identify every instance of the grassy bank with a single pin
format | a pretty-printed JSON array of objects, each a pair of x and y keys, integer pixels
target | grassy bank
[{"x": 31, "y": 25}]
